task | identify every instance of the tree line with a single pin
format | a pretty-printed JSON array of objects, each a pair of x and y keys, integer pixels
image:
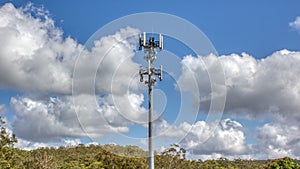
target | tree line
[{"x": 117, "y": 157}]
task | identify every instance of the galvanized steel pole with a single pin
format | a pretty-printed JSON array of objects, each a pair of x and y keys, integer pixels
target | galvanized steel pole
[{"x": 150, "y": 47}]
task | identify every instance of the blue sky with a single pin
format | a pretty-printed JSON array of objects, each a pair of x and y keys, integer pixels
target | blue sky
[
  {"x": 258, "y": 47},
  {"x": 260, "y": 25}
]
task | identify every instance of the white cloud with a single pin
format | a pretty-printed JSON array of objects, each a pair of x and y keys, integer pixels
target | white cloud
[
  {"x": 29, "y": 145},
  {"x": 2, "y": 108},
  {"x": 278, "y": 140},
  {"x": 52, "y": 119},
  {"x": 216, "y": 156},
  {"x": 23, "y": 144},
  {"x": 39, "y": 120},
  {"x": 254, "y": 86},
  {"x": 128, "y": 106},
  {"x": 34, "y": 55},
  {"x": 295, "y": 24},
  {"x": 204, "y": 138},
  {"x": 70, "y": 142},
  {"x": 110, "y": 67}
]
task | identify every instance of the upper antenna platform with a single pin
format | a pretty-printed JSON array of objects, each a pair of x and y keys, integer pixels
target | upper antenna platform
[{"x": 151, "y": 43}]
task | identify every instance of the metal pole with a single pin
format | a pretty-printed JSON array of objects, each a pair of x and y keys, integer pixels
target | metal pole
[
  {"x": 150, "y": 48},
  {"x": 150, "y": 144}
]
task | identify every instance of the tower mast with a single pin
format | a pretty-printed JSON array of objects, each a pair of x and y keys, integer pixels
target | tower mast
[{"x": 151, "y": 47}]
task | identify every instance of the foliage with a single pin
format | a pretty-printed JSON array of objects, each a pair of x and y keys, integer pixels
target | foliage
[
  {"x": 96, "y": 157},
  {"x": 129, "y": 151},
  {"x": 5, "y": 139},
  {"x": 283, "y": 163},
  {"x": 7, "y": 155},
  {"x": 117, "y": 157}
]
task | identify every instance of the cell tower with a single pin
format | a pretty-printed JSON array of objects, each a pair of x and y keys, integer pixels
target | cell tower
[{"x": 151, "y": 47}]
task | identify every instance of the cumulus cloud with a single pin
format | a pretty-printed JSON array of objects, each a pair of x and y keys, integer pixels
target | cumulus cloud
[
  {"x": 295, "y": 24},
  {"x": 204, "y": 138},
  {"x": 253, "y": 85},
  {"x": 278, "y": 140},
  {"x": 52, "y": 119},
  {"x": 34, "y": 55},
  {"x": 110, "y": 67},
  {"x": 39, "y": 120}
]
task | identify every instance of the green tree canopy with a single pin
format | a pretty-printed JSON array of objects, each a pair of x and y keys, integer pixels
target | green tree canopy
[{"x": 283, "y": 163}]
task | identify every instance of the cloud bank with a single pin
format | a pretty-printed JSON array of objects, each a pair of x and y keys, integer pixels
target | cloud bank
[
  {"x": 254, "y": 86},
  {"x": 38, "y": 60}
]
